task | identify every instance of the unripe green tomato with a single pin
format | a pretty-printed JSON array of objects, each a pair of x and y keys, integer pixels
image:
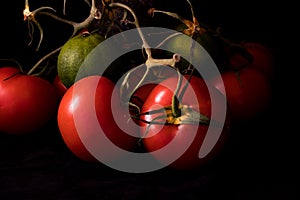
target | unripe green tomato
[
  {"x": 73, "y": 54},
  {"x": 210, "y": 49}
]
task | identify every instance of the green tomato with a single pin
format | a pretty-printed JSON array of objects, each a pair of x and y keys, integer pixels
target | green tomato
[
  {"x": 73, "y": 54},
  {"x": 211, "y": 47}
]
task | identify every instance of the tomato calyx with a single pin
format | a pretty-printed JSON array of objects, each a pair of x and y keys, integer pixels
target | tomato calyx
[
  {"x": 176, "y": 113},
  {"x": 169, "y": 118},
  {"x": 188, "y": 116}
]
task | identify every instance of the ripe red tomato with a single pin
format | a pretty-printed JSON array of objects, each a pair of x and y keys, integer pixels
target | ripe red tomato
[
  {"x": 140, "y": 95},
  {"x": 262, "y": 59},
  {"x": 89, "y": 98},
  {"x": 248, "y": 92},
  {"x": 157, "y": 74},
  {"x": 27, "y": 103},
  {"x": 199, "y": 99},
  {"x": 7, "y": 72}
]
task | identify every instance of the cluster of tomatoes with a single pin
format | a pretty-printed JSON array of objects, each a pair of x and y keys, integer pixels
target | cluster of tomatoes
[
  {"x": 155, "y": 115},
  {"x": 151, "y": 124}
]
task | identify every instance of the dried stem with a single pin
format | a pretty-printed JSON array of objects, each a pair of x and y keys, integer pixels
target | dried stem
[
  {"x": 31, "y": 17},
  {"x": 150, "y": 62},
  {"x": 42, "y": 60}
]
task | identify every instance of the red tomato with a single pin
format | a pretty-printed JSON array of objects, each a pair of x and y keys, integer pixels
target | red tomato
[
  {"x": 140, "y": 95},
  {"x": 59, "y": 87},
  {"x": 248, "y": 92},
  {"x": 156, "y": 75},
  {"x": 198, "y": 98},
  {"x": 7, "y": 72},
  {"x": 77, "y": 109},
  {"x": 27, "y": 103},
  {"x": 262, "y": 59}
]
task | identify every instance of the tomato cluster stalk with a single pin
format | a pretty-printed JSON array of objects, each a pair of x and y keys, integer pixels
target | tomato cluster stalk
[
  {"x": 30, "y": 16},
  {"x": 176, "y": 113}
]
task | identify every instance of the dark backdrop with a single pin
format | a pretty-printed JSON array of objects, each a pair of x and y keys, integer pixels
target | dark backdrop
[{"x": 260, "y": 162}]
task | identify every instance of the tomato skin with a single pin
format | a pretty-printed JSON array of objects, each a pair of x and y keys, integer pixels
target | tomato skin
[
  {"x": 262, "y": 59},
  {"x": 59, "y": 87},
  {"x": 78, "y": 103},
  {"x": 7, "y": 72},
  {"x": 140, "y": 94},
  {"x": 248, "y": 92},
  {"x": 198, "y": 98},
  {"x": 27, "y": 103},
  {"x": 68, "y": 130}
]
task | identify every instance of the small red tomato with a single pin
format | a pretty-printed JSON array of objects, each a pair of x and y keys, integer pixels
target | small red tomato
[
  {"x": 261, "y": 59},
  {"x": 27, "y": 103},
  {"x": 59, "y": 87},
  {"x": 248, "y": 92}
]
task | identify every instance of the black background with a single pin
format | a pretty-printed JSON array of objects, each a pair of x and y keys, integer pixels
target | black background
[{"x": 259, "y": 163}]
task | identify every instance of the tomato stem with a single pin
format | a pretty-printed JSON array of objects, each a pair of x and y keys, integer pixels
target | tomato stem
[
  {"x": 136, "y": 23},
  {"x": 175, "y": 101},
  {"x": 42, "y": 60},
  {"x": 30, "y": 16},
  {"x": 192, "y": 26},
  {"x": 150, "y": 62}
]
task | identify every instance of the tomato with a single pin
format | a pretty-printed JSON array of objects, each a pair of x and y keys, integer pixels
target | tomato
[
  {"x": 248, "y": 92},
  {"x": 27, "y": 103},
  {"x": 157, "y": 74},
  {"x": 73, "y": 53},
  {"x": 59, "y": 87},
  {"x": 7, "y": 72},
  {"x": 140, "y": 95},
  {"x": 181, "y": 44},
  {"x": 76, "y": 111},
  {"x": 262, "y": 59},
  {"x": 198, "y": 98}
]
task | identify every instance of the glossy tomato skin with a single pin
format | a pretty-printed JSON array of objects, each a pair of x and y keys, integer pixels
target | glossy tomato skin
[
  {"x": 76, "y": 108},
  {"x": 198, "y": 98},
  {"x": 248, "y": 92},
  {"x": 156, "y": 75},
  {"x": 7, "y": 72},
  {"x": 27, "y": 103}
]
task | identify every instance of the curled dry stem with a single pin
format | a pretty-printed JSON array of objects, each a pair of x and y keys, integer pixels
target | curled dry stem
[
  {"x": 150, "y": 62},
  {"x": 42, "y": 60},
  {"x": 31, "y": 17},
  {"x": 193, "y": 27}
]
